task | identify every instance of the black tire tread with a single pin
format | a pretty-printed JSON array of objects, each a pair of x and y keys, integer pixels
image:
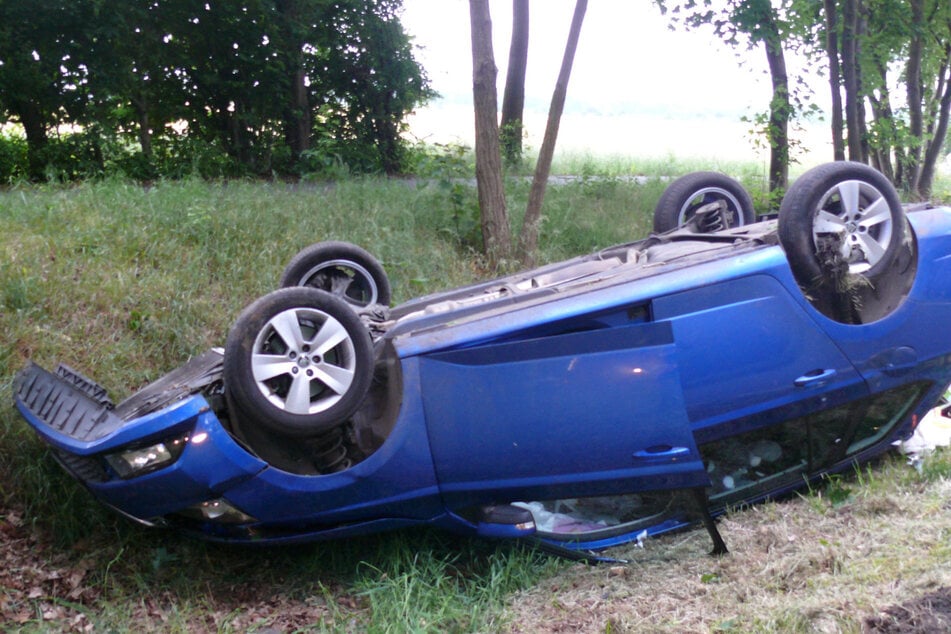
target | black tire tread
[
  {"x": 314, "y": 254},
  {"x": 667, "y": 210}
]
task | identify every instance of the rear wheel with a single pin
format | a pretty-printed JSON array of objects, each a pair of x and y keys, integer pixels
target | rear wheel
[
  {"x": 341, "y": 269},
  {"x": 839, "y": 218},
  {"x": 709, "y": 200},
  {"x": 298, "y": 361}
]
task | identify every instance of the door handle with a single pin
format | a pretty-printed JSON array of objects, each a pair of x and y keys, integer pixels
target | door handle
[
  {"x": 661, "y": 453},
  {"x": 815, "y": 378}
]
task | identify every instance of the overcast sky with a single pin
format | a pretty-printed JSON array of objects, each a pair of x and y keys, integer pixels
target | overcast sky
[{"x": 635, "y": 84}]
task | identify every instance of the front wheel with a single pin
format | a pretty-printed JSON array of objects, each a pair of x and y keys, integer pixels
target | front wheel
[{"x": 298, "y": 361}]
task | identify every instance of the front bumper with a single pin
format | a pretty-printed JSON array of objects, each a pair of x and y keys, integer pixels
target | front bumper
[{"x": 73, "y": 415}]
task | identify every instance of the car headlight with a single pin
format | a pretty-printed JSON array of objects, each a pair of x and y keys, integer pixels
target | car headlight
[
  {"x": 218, "y": 510},
  {"x": 136, "y": 461}
]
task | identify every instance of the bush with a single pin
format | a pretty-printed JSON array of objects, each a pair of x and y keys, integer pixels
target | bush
[{"x": 13, "y": 162}]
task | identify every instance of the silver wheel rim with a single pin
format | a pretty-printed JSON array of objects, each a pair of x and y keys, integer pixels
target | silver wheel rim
[
  {"x": 345, "y": 279},
  {"x": 858, "y": 215},
  {"x": 708, "y": 195},
  {"x": 303, "y": 361}
]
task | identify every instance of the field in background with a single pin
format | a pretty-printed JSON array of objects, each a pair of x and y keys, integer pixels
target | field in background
[
  {"x": 711, "y": 138},
  {"x": 124, "y": 282}
]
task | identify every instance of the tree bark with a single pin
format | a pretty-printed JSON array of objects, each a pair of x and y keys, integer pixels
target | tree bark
[
  {"x": 513, "y": 99},
  {"x": 850, "y": 79},
  {"x": 913, "y": 89},
  {"x": 926, "y": 180},
  {"x": 496, "y": 233},
  {"x": 779, "y": 107},
  {"x": 297, "y": 116},
  {"x": 835, "y": 78},
  {"x": 881, "y": 152},
  {"x": 140, "y": 104},
  {"x": 529, "y": 235},
  {"x": 297, "y": 112},
  {"x": 34, "y": 125}
]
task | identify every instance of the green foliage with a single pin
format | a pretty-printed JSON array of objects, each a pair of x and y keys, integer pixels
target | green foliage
[
  {"x": 13, "y": 162},
  {"x": 276, "y": 85}
]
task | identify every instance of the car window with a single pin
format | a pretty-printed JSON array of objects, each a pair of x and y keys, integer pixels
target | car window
[{"x": 746, "y": 465}]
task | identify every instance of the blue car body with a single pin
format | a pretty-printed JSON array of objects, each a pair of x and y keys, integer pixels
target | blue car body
[{"x": 626, "y": 376}]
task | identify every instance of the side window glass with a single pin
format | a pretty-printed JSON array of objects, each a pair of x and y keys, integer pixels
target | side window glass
[
  {"x": 766, "y": 459},
  {"x": 883, "y": 414},
  {"x": 831, "y": 431},
  {"x": 763, "y": 457}
]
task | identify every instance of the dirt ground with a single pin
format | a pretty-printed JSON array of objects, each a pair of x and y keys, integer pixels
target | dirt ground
[
  {"x": 44, "y": 588},
  {"x": 930, "y": 613}
]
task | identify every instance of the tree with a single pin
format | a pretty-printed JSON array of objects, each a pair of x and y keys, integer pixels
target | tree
[
  {"x": 835, "y": 78},
  {"x": 529, "y": 236},
  {"x": 496, "y": 233},
  {"x": 495, "y": 226},
  {"x": 261, "y": 80},
  {"x": 367, "y": 79},
  {"x": 130, "y": 86},
  {"x": 41, "y": 67},
  {"x": 879, "y": 37},
  {"x": 513, "y": 98},
  {"x": 752, "y": 23},
  {"x": 297, "y": 115}
]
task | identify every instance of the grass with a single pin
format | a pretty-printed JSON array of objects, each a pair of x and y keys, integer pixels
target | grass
[{"x": 123, "y": 282}]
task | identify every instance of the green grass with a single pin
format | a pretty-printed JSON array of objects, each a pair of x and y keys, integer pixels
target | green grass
[{"x": 124, "y": 282}]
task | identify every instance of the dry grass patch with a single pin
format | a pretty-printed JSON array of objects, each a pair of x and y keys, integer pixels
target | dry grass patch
[{"x": 801, "y": 565}]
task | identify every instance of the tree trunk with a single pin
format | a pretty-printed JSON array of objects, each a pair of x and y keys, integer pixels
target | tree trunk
[
  {"x": 34, "y": 125},
  {"x": 145, "y": 126},
  {"x": 835, "y": 79},
  {"x": 861, "y": 34},
  {"x": 779, "y": 107},
  {"x": 496, "y": 233},
  {"x": 926, "y": 180},
  {"x": 913, "y": 88},
  {"x": 513, "y": 99},
  {"x": 297, "y": 117},
  {"x": 529, "y": 236},
  {"x": 881, "y": 151},
  {"x": 850, "y": 79}
]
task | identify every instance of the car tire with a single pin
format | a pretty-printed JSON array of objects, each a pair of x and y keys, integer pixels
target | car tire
[
  {"x": 342, "y": 269},
  {"x": 839, "y": 214},
  {"x": 679, "y": 203},
  {"x": 298, "y": 361}
]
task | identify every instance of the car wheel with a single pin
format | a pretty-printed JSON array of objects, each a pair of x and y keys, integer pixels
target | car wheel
[
  {"x": 837, "y": 218},
  {"x": 341, "y": 269},
  {"x": 679, "y": 203},
  {"x": 299, "y": 361}
]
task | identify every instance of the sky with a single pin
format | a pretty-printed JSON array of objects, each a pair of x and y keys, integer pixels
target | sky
[{"x": 636, "y": 88}]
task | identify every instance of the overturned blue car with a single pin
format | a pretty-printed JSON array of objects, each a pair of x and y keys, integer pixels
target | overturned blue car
[{"x": 722, "y": 360}]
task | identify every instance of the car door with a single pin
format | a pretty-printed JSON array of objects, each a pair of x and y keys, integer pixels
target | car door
[
  {"x": 751, "y": 355},
  {"x": 595, "y": 412},
  {"x": 770, "y": 396}
]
